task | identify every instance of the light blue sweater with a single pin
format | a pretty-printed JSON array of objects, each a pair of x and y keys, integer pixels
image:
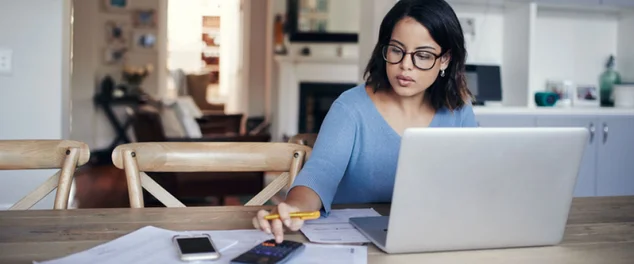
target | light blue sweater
[{"x": 355, "y": 156}]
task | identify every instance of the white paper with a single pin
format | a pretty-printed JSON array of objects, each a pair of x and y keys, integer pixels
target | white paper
[
  {"x": 146, "y": 245},
  {"x": 154, "y": 245},
  {"x": 332, "y": 254},
  {"x": 336, "y": 228}
]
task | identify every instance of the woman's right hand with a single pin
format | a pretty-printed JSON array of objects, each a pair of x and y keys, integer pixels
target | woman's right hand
[{"x": 276, "y": 226}]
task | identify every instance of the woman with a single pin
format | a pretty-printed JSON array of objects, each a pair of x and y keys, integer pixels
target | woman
[{"x": 415, "y": 78}]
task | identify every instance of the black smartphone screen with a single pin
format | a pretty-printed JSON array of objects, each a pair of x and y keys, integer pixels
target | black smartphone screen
[{"x": 195, "y": 245}]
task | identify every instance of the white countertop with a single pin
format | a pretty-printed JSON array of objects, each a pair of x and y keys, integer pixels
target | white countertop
[{"x": 502, "y": 110}]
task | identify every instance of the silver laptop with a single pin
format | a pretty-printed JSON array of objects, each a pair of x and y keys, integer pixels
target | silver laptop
[{"x": 479, "y": 188}]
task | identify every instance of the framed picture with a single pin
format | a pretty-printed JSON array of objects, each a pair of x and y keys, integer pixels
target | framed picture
[
  {"x": 115, "y": 54},
  {"x": 117, "y": 33},
  {"x": 144, "y": 40},
  {"x": 116, "y": 5},
  {"x": 144, "y": 18},
  {"x": 587, "y": 95}
]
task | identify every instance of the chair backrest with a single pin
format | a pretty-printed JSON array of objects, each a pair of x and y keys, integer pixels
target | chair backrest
[
  {"x": 65, "y": 155},
  {"x": 138, "y": 158},
  {"x": 307, "y": 139}
]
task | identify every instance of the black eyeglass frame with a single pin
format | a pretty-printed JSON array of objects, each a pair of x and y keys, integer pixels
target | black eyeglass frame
[{"x": 384, "y": 51}]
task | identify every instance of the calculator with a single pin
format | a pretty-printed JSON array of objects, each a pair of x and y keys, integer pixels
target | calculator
[{"x": 270, "y": 252}]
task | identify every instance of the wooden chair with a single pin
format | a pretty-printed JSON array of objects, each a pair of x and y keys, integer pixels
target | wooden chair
[
  {"x": 138, "y": 158},
  {"x": 65, "y": 155},
  {"x": 307, "y": 139},
  {"x": 196, "y": 187}
]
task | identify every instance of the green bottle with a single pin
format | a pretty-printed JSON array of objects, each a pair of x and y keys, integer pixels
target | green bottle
[{"x": 608, "y": 79}]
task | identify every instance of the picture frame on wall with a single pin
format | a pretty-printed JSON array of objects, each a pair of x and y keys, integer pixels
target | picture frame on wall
[
  {"x": 116, "y": 5},
  {"x": 144, "y": 18},
  {"x": 115, "y": 54},
  {"x": 144, "y": 40},
  {"x": 117, "y": 32}
]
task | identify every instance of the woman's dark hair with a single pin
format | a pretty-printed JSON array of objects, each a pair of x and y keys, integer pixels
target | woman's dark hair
[{"x": 443, "y": 26}]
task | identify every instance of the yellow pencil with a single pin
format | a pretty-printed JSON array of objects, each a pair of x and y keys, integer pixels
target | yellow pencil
[{"x": 302, "y": 215}]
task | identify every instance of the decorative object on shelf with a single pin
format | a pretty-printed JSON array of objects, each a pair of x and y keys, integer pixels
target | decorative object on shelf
[
  {"x": 116, "y": 5},
  {"x": 117, "y": 32},
  {"x": 107, "y": 87},
  {"x": 564, "y": 90},
  {"x": 280, "y": 35},
  {"x": 134, "y": 76},
  {"x": 109, "y": 90},
  {"x": 144, "y": 40},
  {"x": 546, "y": 99},
  {"x": 608, "y": 79},
  {"x": 144, "y": 18},
  {"x": 586, "y": 95}
]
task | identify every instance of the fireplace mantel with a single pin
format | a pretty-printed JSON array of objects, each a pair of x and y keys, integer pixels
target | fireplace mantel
[{"x": 292, "y": 70}]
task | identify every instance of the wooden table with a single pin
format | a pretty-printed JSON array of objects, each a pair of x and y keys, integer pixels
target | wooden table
[{"x": 600, "y": 230}]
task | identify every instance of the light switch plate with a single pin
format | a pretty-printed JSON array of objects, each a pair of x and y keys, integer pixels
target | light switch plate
[{"x": 6, "y": 61}]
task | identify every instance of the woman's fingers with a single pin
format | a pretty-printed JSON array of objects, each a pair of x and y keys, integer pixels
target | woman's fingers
[
  {"x": 262, "y": 223},
  {"x": 296, "y": 224},
  {"x": 284, "y": 211},
  {"x": 276, "y": 226},
  {"x": 278, "y": 230}
]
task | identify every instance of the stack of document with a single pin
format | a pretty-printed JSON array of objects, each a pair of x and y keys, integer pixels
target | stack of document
[
  {"x": 154, "y": 245},
  {"x": 336, "y": 228}
]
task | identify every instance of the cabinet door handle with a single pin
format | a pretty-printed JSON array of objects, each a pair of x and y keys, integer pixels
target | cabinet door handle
[
  {"x": 592, "y": 129},
  {"x": 605, "y": 133}
]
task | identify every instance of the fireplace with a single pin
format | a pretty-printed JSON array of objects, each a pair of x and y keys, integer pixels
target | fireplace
[
  {"x": 311, "y": 81},
  {"x": 315, "y": 99}
]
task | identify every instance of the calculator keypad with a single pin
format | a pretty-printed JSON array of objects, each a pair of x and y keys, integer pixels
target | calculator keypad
[{"x": 269, "y": 252}]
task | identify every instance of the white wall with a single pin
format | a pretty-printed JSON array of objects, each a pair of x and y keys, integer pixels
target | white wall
[
  {"x": 518, "y": 36},
  {"x": 571, "y": 47},
  {"x": 625, "y": 55},
  {"x": 34, "y": 98},
  {"x": 89, "y": 124},
  {"x": 486, "y": 45},
  {"x": 372, "y": 13}
]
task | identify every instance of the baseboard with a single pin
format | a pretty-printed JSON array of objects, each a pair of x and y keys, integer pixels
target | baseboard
[{"x": 4, "y": 207}]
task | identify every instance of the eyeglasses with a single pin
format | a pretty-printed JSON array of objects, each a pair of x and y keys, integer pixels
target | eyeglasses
[{"x": 423, "y": 60}]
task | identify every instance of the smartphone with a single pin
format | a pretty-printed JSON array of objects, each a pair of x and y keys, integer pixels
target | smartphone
[{"x": 196, "y": 247}]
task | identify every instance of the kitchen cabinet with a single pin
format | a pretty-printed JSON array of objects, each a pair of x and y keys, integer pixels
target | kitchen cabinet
[
  {"x": 586, "y": 181},
  {"x": 615, "y": 162},
  {"x": 503, "y": 120},
  {"x": 607, "y": 165}
]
